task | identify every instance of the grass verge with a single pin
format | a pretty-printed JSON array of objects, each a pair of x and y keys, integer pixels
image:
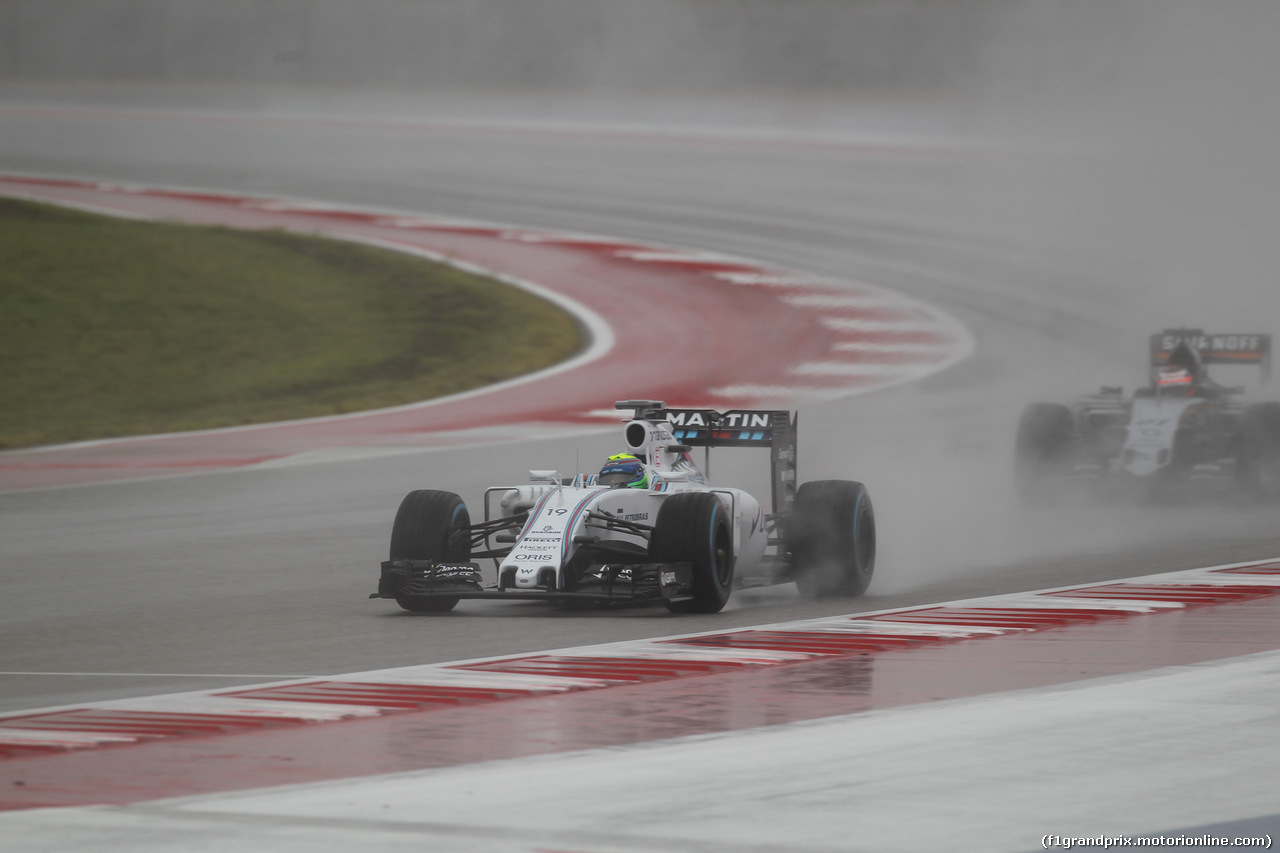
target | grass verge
[{"x": 113, "y": 327}]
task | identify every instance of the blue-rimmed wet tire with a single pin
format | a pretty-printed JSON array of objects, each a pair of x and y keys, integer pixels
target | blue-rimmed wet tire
[
  {"x": 693, "y": 527},
  {"x": 431, "y": 525},
  {"x": 831, "y": 537}
]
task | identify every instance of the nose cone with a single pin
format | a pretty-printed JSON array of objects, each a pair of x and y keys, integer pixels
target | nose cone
[{"x": 527, "y": 577}]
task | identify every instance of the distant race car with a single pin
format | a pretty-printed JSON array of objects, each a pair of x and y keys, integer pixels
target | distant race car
[
  {"x": 1183, "y": 434},
  {"x": 647, "y": 529}
]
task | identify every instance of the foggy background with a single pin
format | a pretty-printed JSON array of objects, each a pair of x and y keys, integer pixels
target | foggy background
[
  {"x": 574, "y": 44},
  {"x": 1133, "y": 139}
]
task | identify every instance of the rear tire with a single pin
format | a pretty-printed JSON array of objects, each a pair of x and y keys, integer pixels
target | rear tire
[
  {"x": 831, "y": 536},
  {"x": 693, "y": 527},
  {"x": 1045, "y": 433},
  {"x": 1259, "y": 456},
  {"x": 430, "y": 525}
]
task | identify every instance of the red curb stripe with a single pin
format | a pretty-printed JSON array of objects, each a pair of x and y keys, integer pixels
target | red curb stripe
[
  {"x": 903, "y": 336},
  {"x": 143, "y": 724},
  {"x": 812, "y": 642},
  {"x": 1264, "y": 569},
  {"x": 386, "y": 696},
  {"x": 872, "y": 314},
  {"x": 606, "y": 668},
  {"x": 8, "y": 750},
  {"x": 897, "y": 359},
  {"x": 694, "y": 264},
  {"x": 1189, "y": 594},
  {"x": 996, "y": 617}
]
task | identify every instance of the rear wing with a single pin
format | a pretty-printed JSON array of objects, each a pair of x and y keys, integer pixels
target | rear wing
[
  {"x": 770, "y": 429},
  {"x": 1213, "y": 349}
]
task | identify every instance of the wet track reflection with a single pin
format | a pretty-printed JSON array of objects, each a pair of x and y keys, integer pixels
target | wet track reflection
[{"x": 651, "y": 700}]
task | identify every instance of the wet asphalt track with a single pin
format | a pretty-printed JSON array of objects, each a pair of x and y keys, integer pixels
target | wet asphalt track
[{"x": 216, "y": 579}]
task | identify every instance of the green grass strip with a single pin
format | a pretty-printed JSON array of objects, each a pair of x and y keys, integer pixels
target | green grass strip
[{"x": 113, "y": 327}]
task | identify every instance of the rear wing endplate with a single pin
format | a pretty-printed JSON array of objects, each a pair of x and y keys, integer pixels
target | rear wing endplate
[{"x": 1214, "y": 349}]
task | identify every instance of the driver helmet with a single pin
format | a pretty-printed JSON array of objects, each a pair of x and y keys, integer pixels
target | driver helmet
[
  {"x": 1173, "y": 379},
  {"x": 623, "y": 469}
]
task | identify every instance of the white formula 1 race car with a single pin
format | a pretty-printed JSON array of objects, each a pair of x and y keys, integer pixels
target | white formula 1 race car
[
  {"x": 647, "y": 529},
  {"x": 1182, "y": 435}
]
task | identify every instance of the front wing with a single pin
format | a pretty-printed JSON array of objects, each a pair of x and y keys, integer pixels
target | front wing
[{"x": 615, "y": 584}]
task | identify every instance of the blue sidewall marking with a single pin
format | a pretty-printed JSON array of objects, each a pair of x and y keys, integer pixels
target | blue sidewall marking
[
  {"x": 857, "y": 513},
  {"x": 711, "y": 542},
  {"x": 452, "y": 522}
]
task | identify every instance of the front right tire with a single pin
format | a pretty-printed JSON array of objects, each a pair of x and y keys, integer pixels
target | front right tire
[
  {"x": 693, "y": 527},
  {"x": 430, "y": 525}
]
